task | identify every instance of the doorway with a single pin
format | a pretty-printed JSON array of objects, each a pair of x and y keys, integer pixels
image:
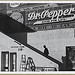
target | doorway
[
  {"x": 70, "y": 58},
  {"x": 13, "y": 60},
  {"x": 5, "y": 61},
  {"x": 8, "y": 61}
]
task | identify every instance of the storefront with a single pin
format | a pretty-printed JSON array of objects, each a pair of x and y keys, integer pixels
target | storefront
[{"x": 53, "y": 27}]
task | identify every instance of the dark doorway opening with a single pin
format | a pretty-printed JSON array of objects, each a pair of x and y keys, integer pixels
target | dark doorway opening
[
  {"x": 5, "y": 61},
  {"x": 70, "y": 58},
  {"x": 8, "y": 61},
  {"x": 13, "y": 61}
]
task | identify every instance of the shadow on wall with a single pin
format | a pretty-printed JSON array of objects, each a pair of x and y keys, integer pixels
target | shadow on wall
[
  {"x": 65, "y": 65},
  {"x": 22, "y": 38},
  {"x": 62, "y": 66}
]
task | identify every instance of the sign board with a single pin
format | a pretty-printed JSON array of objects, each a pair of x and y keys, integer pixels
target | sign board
[
  {"x": 45, "y": 18},
  {"x": 49, "y": 18},
  {"x": 20, "y": 48},
  {"x": 30, "y": 6},
  {"x": 15, "y": 5},
  {"x": 18, "y": 16},
  {"x": 53, "y": 26},
  {"x": 19, "y": 7}
]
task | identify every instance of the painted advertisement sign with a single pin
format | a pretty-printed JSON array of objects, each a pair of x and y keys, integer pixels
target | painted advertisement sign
[
  {"x": 51, "y": 18},
  {"x": 18, "y": 16},
  {"x": 15, "y": 5},
  {"x": 19, "y": 7},
  {"x": 46, "y": 18}
]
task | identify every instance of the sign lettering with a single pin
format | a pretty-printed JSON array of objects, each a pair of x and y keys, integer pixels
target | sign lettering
[
  {"x": 53, "y": 16},
  {"x": 54, "y": 26}
]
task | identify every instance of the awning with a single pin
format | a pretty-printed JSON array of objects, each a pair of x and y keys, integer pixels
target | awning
[{"x": 10, "y": 26}]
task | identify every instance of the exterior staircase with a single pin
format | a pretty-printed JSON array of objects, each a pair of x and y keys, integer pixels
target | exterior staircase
[{"x": 21, "y": 36}]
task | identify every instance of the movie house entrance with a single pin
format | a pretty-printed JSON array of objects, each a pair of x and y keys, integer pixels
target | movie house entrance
[
  {"x": 8, "y": 61},
  {"x": 70, "y": 58}
]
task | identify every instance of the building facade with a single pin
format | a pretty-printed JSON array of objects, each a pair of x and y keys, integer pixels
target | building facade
[{"x": 53, "y": 27}]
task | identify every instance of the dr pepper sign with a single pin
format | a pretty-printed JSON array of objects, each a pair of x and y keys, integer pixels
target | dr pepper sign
[{"x": 45, "y": 16}]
